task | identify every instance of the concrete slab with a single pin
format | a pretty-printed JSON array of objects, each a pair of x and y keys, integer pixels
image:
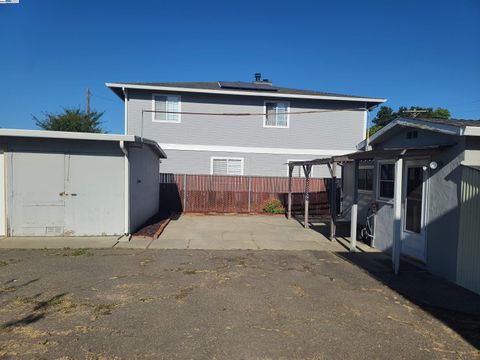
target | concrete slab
[
  {"x": 60, "y": 242},
  {"x": 241, "y": 232}
]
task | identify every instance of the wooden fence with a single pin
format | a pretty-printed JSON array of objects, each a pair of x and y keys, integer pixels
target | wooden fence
[{"x": 238, "y": 194}]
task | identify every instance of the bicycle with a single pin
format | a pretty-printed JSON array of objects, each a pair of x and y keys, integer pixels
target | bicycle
[{"x": 367, "y": 232}]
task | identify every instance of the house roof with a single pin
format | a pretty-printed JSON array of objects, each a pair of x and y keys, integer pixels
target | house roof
[
  {"x": 456, "y": 127},
  {"x": 44, "y": 134},
  {"x": 240, "y": 88}
]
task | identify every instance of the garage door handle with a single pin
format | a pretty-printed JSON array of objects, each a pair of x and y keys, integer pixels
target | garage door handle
[{"x": 63, "y": 193}]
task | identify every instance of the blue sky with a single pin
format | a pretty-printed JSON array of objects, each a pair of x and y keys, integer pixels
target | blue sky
[{"x": 412, "y": 52}]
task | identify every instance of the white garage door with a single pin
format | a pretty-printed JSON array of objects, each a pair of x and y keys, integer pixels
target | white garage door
[{"x": 63, "y": 194}]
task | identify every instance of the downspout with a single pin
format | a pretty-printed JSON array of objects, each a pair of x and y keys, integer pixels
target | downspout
[
  {"x": 367, "y": 132},
  {"x": 127, "y": 187},
  {"x": 125, "y": 95}
]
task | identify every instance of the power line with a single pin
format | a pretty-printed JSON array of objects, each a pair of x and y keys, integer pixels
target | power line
[{"x": 249, "y": 114}]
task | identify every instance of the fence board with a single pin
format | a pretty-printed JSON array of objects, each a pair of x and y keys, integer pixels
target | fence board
[{"x": 238, "y": 194}]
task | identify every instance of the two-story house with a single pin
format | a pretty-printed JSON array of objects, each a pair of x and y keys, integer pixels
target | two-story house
[{"x": 242, "y": 128}]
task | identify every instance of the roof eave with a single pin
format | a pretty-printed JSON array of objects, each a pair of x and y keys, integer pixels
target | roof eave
[{"x": 113, "y": 86}]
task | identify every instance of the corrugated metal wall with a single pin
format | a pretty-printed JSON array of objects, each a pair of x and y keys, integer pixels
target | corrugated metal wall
[{"x": 468, "y": 256}]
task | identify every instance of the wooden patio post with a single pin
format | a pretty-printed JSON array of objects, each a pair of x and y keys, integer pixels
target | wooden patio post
[
  {"x": 397, "y": 210},
  {"x": 290, "y": 174},
  {"x": 353, "y": 215},
  {"x": 307, "y": 169},
  {"x": 333, "y": 203}
]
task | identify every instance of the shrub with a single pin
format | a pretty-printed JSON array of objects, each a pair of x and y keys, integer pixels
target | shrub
[{"x": 273, "y": 206}]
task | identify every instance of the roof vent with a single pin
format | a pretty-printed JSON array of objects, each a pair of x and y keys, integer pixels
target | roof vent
[{"x": 258, "y": 80}]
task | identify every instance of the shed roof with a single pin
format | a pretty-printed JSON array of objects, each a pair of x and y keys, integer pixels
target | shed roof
[
  {"x": 241, "y": 88},
  {"x": 44, "y": 134}
]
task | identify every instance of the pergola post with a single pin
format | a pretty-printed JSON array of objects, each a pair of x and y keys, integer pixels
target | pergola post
[
  {"x": 333, "y": 202},
  {"x": 353, "y": 215},
  {"x": 290, "y": 174},
  {"x": 306, "y": 169},
  {"x": 397, "y": 205}
]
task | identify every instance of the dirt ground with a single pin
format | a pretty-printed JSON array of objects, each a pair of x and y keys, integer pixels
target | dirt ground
[{"x": 198, "y": 304}]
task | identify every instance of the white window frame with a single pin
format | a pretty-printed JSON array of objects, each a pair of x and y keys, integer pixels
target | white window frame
[
  {"x": 242, "y": 160},
  {"x": 377, "y": 182},
  {"x": 179, "y": 116},
  {"x": 265, "y": 114},
  {"x": 366, "y": 167}
]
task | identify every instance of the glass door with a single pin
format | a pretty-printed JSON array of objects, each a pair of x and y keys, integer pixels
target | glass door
[{"x": 414, "y": 209}]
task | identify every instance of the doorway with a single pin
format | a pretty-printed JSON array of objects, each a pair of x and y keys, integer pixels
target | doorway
[{"x": 415, "y": 189}]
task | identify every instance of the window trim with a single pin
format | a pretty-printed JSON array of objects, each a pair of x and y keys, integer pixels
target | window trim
[
  {"x": 265, "y": 114},
  {"x": 179, "y": 108},
  {"x": 242, "y": 161},
  {"x": 366, "y": 167},
  {"x": 379, "y": 165}
]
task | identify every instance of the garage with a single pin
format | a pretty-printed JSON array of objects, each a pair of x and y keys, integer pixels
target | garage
[{"x": 76, "y": 184}]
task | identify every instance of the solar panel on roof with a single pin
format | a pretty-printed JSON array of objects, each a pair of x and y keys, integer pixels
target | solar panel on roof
[{"x": 246, "y": 86}]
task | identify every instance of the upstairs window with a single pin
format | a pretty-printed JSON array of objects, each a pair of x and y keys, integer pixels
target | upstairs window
[
  {"x": 365, "y": 179},
  {"x": 386, "y": 181},
  {"x": 227, "y": 166},
  {"x": 276, "y": 114},
  {"x": 168, "y": 107}
]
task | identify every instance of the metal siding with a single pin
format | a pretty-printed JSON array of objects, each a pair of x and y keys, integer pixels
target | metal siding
[
  {"x": 468, "y": 264},
  {"x": 2, "y": 194},
  {"x": 97, "y": 208},
  {"x": 36, "y": 180},
  {"x": 198, "y": 162},
  {"x": 144, "y": 185},
  {"x": 312, "y": 131},
  {"x": 93, "y": 174}
]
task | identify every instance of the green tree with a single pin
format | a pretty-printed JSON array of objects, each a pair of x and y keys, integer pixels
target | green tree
[
  {"x": 71, "y": 119},
  {"x": 385, "y": 115}
]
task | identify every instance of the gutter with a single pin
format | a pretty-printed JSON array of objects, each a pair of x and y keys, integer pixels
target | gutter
[{"x": 127, "y": 187}]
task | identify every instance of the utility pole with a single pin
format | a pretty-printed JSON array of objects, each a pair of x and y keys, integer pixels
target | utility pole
[
  {"x": 415, "y": 112},
  {"x": 88, "y": 100}
]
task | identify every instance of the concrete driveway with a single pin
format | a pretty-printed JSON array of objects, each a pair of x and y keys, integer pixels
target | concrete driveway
[{"x": 240, "y": 232}]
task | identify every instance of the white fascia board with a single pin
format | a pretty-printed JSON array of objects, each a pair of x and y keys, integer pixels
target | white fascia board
[
  {"x": 65, "y": 135},
  {"x": 244, "y": 93},
  {"x": 254, "y": 150},
  {"x": 471, "y": 131}
]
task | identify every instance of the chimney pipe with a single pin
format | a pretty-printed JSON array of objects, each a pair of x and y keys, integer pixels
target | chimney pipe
[{"x": 258, "y": 76}]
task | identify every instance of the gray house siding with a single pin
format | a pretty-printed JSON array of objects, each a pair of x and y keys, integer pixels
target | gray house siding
[
  {"x": 311, "y": 131},
  {"x": 144, "y": 185},
  {"x": 444, "y": 212},
  {"x": 317, "y": 131},
  {"x": 199, "y": 162}
]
